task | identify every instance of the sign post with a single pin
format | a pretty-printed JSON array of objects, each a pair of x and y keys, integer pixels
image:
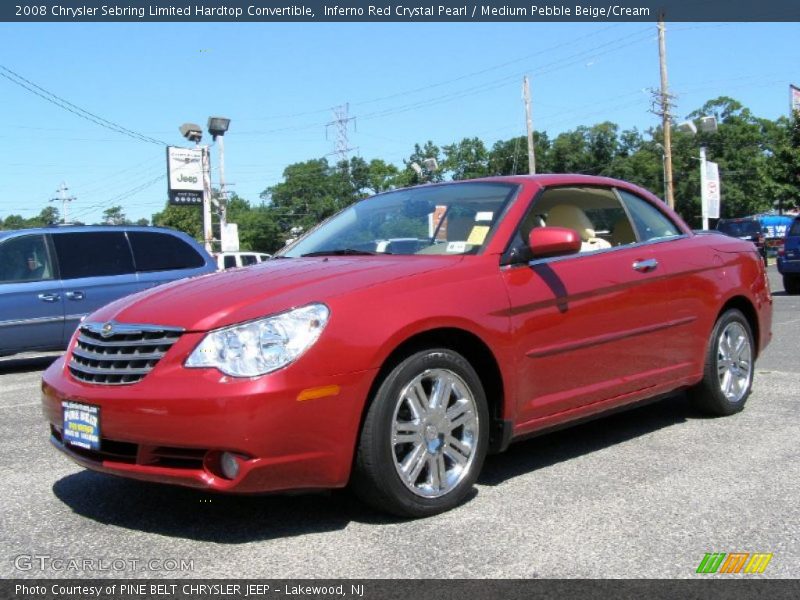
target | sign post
[{"x": 709, "y": 188}]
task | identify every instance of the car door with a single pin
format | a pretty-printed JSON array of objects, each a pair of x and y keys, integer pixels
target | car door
[
  {"x": 589, "y": 327},
  {"x": 31, "y": 298},
  {"x": 96, "y": 268},
  {"x": 690, "y": 270}
]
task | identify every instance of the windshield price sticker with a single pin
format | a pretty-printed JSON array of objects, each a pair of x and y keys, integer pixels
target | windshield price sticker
[{"x": 81, "y": 425}]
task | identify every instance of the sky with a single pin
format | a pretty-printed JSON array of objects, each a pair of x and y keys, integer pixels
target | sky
[{"x": 405, "y": 83}]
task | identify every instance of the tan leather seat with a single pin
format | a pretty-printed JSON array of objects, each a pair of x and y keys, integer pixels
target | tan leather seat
[
  {"x": 622, "y": 233},
  {"x": 572, "y": 217}
]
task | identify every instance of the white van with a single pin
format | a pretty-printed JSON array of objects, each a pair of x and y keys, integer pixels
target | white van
[{"x": 233, "y": 260}]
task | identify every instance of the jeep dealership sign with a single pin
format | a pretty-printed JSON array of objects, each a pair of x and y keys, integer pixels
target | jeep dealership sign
[{"x": 185, "y": 174}]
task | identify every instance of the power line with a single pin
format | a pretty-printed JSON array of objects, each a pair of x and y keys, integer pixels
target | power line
[{"x": 19, "y": 80}]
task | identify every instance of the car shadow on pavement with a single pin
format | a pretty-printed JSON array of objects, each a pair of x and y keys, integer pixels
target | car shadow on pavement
[
  {"x": 228, "y": 519},
  {"x": 574, "y": 441},
  {"x": 203, "y": 516},
  {"x": 22, "y": 364}
]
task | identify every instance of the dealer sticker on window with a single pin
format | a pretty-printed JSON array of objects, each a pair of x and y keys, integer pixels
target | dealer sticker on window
[{"x": 81, "y": 425}]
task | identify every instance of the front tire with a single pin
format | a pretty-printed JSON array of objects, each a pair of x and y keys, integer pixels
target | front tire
[
  {"x": 728, "y": 375},
  {"x": 424, "y": 437}
]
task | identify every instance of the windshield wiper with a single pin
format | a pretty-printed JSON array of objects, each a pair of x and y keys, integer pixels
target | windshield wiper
[{"x": 341, "y": 252}]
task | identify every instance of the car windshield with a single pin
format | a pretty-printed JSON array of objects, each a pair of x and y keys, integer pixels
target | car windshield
[
  {"x": 434, "y": 219},
  {"x": 737, "y": 228}
]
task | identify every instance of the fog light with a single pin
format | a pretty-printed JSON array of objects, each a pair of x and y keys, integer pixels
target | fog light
[{"x": 229, "y": 465}]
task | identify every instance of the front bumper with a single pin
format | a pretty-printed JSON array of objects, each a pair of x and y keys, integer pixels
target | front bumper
[{"x": 173, "y": 426}]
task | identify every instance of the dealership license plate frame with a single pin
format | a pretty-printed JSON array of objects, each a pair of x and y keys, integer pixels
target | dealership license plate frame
[{"x": 81, "y": 425}]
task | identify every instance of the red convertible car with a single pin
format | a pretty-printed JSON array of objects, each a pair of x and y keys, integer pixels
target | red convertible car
[{"x": 401, "y": 340}]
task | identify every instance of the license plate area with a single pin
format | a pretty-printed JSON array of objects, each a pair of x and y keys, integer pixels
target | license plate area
[{"x": 81, "y": 425}]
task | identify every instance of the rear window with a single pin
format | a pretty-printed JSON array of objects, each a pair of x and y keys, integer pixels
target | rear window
[
  {"x": 155, "y": 251},
  {"x": 795, "y": 229},
  {"x": 739, "y": 228},
  {"x": 93, "y": 254}
]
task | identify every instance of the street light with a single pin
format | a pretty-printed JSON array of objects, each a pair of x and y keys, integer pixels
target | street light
[
  {"x": 192, "y": 132},
  {"x": 429, "y": 165},
  {"x": 217, "y": 126}
]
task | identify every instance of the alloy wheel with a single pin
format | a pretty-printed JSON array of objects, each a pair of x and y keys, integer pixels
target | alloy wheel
[
  {"x": 434, "y": 432},
  {"x": 734, "y": 361}
]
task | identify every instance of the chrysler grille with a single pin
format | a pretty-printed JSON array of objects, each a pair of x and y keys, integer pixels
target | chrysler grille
[{"x": 119, "y": 354}]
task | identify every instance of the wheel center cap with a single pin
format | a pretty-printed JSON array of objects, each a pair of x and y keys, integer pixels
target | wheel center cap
[{"x": 431, "y": 433}]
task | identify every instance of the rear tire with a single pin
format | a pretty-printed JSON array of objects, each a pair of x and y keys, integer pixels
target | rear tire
[
  {"x": 791, "y": 283},
  {"x": 424, "y": 437},
  {"x": 728, "y": 374}
]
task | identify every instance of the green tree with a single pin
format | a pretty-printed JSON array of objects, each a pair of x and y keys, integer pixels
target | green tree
[
  {"x": 467, "y": 159},
  {"x": 14, "y": 222},
  {"x": 115, "y": 216},
  {"x": 188, "y": 219},
  {"x": 510, "y": 157},
  {"x": 784, "y": 162}
]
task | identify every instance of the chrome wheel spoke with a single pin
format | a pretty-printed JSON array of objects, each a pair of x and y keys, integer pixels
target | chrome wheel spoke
[
  {"x": 457, "y": 452},
  {"x": 413, "y": 464},
  {"x": 441, "y": 390},
  {"x": 466, "y": 418},
  {"x": 437, "y": 473},
  {"x": 417, "y": 400},
  {"x": 407, "y": 432}
]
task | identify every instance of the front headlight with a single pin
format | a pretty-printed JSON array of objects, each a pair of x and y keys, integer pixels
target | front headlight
[{"x": 259, "y": 347}]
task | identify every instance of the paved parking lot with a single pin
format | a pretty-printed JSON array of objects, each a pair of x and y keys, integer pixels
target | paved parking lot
[{"x": 645, "y": 493}]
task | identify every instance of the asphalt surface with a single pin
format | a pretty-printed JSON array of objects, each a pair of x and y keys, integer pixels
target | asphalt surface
[{"x": 644, "y": 493}]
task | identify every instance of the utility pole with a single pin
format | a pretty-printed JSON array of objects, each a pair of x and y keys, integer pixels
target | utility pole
[
  {"x": 341, "y": 120},
  {"x": 526, "y": 93},
  {"x": 666, "y": 103},
  {"x": 64, "y": 199}
]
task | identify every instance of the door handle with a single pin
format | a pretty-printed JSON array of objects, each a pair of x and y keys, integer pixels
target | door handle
[
  {"x": 49, "y": 297},
  {"x": 75, "y": 295},
  {"x": 645, "y": 265}
]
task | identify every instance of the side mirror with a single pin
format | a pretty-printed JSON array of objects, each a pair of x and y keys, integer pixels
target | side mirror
[{"x": 553, "y": 241}]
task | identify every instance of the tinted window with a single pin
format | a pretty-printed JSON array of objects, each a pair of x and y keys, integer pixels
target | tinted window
[
  {"x": 93, "y": 254},
  {"x": 25, "y": 258},
  {"x": 795, "y": 230},
  {"x": 229, "y": 262},
  {"x": 249, "y": 259},
  {"x": 650, "y": 223},
  {"x": 739, "y": 228},
  {"x": 154, "y": 251}
]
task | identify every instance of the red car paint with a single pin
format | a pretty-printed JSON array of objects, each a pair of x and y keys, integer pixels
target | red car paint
[{"x": 570, "y": 337}]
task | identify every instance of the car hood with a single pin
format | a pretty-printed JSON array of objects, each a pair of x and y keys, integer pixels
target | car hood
[{"x": 237, "y": 295}]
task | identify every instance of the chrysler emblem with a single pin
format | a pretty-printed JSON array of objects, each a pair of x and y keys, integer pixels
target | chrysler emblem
[{"x": 107, "y": 330}]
